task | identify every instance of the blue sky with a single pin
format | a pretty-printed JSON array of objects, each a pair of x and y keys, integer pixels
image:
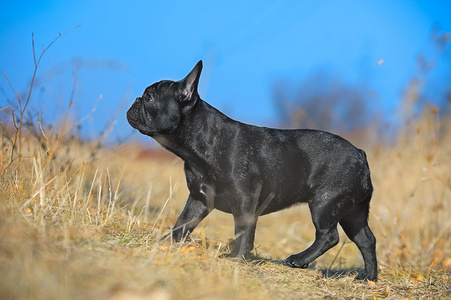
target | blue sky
[{"x": 123, "y": 46}]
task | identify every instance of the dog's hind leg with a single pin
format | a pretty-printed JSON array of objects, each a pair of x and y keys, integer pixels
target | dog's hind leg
[
  {"x": 325, "y": 238},
  {"x": 355, "y": 225}
]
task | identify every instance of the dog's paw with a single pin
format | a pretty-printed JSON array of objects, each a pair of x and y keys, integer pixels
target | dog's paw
[
  {"x": 232, "y": 254},
  {"x": 365, "y": 276},
  {"x": 175, "y": 236},
  {"x": 295, "y": 262},
  {"x": 236, "y": 255},
  {"x": 166, "y": 238},
  {"x": 229, "y": 255}
]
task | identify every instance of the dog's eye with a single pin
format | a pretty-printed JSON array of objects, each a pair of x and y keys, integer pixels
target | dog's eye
[{"x": 149, "y": 97}]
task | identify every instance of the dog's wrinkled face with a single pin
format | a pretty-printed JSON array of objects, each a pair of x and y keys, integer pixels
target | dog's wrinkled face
[
  {"x": 163, "y": 104},
  {"x": 157, "y": 110}
]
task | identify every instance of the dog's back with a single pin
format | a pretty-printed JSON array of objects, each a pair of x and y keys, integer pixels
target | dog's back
[{"x": 289, "y": 166}]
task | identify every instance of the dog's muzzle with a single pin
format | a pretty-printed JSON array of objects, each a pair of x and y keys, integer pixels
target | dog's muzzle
[{"x": 134, "y": 115}]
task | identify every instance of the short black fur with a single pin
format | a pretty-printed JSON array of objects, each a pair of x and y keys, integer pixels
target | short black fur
[{"x": 250, "y": 171}]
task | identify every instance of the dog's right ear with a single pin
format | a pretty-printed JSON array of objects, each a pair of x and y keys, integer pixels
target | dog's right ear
[{"x": 188, "y": 85}]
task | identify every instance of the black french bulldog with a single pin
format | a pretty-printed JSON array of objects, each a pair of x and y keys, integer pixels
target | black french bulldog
[{"x": 250, "y": 171}]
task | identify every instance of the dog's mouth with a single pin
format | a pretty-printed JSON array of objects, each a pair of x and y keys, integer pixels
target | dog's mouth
[
  {"x": 136, "y": 117},
  {"x": 133, "y": 116}
]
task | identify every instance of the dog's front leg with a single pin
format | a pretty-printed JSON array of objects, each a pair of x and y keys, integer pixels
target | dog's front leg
[
  {"x": 244, "y": 235},
  {"x": 193, "y": 213}
]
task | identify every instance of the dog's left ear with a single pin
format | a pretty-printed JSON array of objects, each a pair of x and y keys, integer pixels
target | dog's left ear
[{"x": 188, "y": 85}]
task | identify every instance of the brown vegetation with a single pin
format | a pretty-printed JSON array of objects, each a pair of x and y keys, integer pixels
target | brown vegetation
[
  {"x": 79, "y": 221},
  {"x": 82, "y": 221}
]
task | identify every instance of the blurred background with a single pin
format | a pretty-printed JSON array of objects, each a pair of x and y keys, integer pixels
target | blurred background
[{"x": 341, "y": 66}]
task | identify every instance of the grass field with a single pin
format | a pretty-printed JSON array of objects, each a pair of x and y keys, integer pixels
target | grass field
[{"x": 79, "y": 221}]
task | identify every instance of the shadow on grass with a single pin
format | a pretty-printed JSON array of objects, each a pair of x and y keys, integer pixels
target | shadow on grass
[
  {"x": 255, "y": 259},
  {"x": 326, "y": 272}
]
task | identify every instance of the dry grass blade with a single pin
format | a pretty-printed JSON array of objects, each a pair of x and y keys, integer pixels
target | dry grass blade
[{"x": 24, "y": 104}]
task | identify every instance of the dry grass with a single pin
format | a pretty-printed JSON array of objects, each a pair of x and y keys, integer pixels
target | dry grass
[{"x": 79, "y": 221}]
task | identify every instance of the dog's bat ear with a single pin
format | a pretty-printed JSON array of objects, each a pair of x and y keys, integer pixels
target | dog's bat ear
[{"x": 189, "y": 84}]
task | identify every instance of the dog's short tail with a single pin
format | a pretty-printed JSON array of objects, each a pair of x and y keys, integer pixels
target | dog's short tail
[
  {"x": 366, "y": 180},
  {"x": 363, "y": 154}
]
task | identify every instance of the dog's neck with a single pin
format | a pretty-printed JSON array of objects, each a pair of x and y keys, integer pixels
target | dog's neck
[{"x": 202, "y": 133}]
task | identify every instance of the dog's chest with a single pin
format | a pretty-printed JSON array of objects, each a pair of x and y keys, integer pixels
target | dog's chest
[{"x": 204, "y": 187}]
